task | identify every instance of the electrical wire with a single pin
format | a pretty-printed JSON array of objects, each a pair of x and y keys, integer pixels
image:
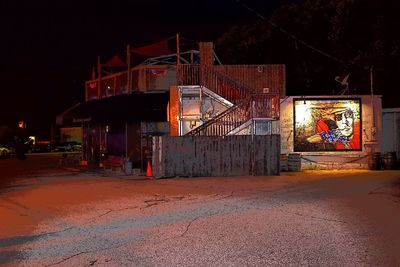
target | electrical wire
[{"x": 292, "y": 36}]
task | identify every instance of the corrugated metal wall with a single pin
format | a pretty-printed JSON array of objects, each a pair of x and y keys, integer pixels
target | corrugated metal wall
[{"x": 216, "y": 156}]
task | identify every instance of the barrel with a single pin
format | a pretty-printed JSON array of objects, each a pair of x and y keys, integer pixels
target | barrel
[
  {"x": 389, "y": 160},
  {"x": 284, "y": 162},
  {"x": 294, "y": 162},
  {"x": 374, "y": 161},
  {"x": 128, "y": 167}
]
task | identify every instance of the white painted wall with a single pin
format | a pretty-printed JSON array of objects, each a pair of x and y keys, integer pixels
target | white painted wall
[{"x": 391, "y": 131}]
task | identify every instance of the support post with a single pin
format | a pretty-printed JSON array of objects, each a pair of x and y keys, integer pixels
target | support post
[
  {"x": 178, "y": 51},
  {"x": 98, "y": 77},
  {"x": 128, "y": 63},
  {"x": 373, "y": 129},
  {"x": 126, "y": 140}
]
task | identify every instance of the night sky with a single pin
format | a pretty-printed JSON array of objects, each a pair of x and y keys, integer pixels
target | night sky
[{"x": 48, "y": 48}]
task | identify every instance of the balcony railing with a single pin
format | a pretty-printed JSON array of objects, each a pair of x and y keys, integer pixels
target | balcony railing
[
  {"x": 217, "y": 82},
  {"x": 141, "y": 78}
]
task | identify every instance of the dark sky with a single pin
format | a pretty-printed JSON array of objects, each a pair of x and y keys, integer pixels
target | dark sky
[{"x": 48, "y": 48}]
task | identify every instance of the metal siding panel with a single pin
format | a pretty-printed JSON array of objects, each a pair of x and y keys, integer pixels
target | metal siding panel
[{"x": 216, "y": 156}]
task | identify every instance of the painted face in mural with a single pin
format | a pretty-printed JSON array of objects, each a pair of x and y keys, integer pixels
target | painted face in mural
[
  {"x": 345, "y": 122},
  {"x": 327, "y": 125}
]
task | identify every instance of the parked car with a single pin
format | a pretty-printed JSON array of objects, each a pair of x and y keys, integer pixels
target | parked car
[
  {"x": 67, "y": 147},
  {"x": 5, "y": 152},
  {"x": 41, "y": 148}
]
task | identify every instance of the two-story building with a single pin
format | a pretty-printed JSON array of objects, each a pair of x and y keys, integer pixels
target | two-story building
[{"x": 185, "y": 92}]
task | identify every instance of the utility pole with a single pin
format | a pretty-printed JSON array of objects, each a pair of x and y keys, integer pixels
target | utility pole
[
  {"x": 373, "y": 128},
  {"x": 98, "y": 78},
  {"x": 178, "y": 52},
  {"x": 128, "y": 62}
]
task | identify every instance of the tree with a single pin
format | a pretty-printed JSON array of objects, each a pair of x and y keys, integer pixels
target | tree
[{"x": 319, "y": 40}]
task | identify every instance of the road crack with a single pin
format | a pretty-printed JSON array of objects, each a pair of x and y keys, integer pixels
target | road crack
[
  {"x": 104, "y": 214},
  {"x": 68, "y": 258},
  {"x": 91, "y": 263},
  {"x": 188, "y": 226},
  {"x": 319, "y": 218},
  {"x": 223, "y": 197},
  {"x": 111, "y": 210},
  {"x": 375, "y": 191},
  {"x": 154, "y": 202},
  {"x": 15, "y": 203},
  {"x": 85, "y": 252}
]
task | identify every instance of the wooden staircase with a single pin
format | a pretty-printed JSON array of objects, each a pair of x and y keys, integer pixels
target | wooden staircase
[{"x": 247, "y": 104}]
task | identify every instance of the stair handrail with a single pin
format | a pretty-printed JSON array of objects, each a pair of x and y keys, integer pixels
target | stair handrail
[
  {"x": 244, "y": 107},
  {"x": 240, "y": 95}
]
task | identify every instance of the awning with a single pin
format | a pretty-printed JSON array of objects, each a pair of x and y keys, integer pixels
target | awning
[
  {"x": 137, "y": 107},
  {"x": 154, "y": 50}
]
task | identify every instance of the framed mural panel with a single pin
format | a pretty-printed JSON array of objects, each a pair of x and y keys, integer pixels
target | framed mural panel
[{"x": 327, "y": 124}]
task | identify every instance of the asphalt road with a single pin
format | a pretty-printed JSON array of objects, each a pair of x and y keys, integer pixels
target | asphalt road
[
  {"x": 297, "y": 219},
  {"x": 35, "y": 165}
]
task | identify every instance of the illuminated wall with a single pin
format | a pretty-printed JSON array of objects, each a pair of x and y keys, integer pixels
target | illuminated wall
[
  {"x": 327, "y": 124},
  {"x": 296, "y": 126},
  {"x": 69, "y": 134}
]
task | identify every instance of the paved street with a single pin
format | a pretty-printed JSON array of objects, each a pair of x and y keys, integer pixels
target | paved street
[{"x": 318, "y": 218}]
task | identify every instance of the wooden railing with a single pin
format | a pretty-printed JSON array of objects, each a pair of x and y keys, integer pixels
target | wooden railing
[
  {"x": 233, "y": 117},
  {"x": 141, "y": 78},
  {"x": 110, "y": 85},
  {"x": 219, "y": 83}
]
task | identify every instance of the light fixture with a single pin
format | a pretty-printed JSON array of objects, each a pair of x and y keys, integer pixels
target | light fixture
[{"x": 22, "y": 124}]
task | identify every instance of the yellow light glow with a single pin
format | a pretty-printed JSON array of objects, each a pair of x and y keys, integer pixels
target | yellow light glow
[
  {"x": 33, "y": 139},
  {"x": 22, "y": 124},
  {"x": 302, "y": 113}
]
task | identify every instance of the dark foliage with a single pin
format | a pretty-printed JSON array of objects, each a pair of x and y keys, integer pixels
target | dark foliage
[{"x": 319, "y": 40}]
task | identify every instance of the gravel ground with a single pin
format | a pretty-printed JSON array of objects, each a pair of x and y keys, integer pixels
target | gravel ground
[{"x": 337, "y": 218}]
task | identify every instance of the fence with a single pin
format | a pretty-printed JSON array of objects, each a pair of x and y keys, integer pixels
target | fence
[{"x": 215, "y": 156}]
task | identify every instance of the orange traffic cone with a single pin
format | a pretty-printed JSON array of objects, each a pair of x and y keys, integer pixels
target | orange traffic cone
[{"x": 149, "y": 173}]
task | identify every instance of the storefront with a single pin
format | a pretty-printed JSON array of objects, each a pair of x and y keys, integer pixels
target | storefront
[{"x": 119, "y": 126}]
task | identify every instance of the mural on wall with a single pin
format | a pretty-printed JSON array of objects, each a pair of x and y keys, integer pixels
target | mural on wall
[{"x": 327, "y": 124}]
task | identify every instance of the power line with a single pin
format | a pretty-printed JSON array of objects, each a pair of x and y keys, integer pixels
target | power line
[{"x": 293, "y": 36}]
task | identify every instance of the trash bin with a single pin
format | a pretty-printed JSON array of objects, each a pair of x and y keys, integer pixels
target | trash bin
[
  {"x": 294, "y": 162},
  {"x": 389, "y": 160},
  {"x": 374, "y": 161},
  {"x": 284, "y": 162},
  {"x": 128, "y": 167}
]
